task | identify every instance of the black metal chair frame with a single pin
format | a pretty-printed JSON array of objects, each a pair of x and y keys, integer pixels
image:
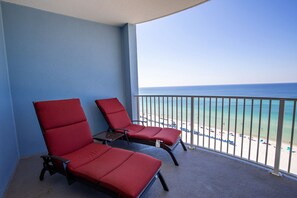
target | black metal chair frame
[
  {"x": 48, "y": 165},
  {"x": 164, "y": 146}
]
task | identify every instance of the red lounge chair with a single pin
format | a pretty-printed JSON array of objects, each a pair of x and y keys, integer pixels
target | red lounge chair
[
  {"x": 73, "y": 153},
  {"x": 118, "y": 120}
]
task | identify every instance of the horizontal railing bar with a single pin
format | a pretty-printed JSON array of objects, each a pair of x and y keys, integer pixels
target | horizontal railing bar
[{"x": 239, "y": 97}]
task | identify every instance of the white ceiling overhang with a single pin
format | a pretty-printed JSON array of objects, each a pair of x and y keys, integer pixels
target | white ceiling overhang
[{"x": 112, "y": 12}]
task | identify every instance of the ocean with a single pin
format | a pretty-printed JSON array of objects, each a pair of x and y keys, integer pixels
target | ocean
[
  {"x": 281, "y": 90},
  {"x": 252, "y": 124}
]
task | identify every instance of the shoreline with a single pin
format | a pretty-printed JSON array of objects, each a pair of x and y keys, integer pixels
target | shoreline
[
  {"x": 237, "y": 145},
  {"x": 172, "y": 123}
]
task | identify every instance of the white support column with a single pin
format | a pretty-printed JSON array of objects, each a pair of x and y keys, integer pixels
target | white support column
[{"x": 129, "y": 56}]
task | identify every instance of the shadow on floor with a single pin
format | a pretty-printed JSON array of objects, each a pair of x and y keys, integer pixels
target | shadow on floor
[{"x": 200, "y": 174}]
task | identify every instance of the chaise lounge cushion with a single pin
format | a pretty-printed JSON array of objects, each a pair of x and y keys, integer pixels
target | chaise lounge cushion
[
  {"x": 118, "y": 118},
  {"x": 167, "y": 135},
  {"x": 146, "y": 133},
  {"x": 70, "y": 138},
  {"x": 103, "y": 165},
  {"x": 65, "y": 127},
  {"x": 122, "y": 171},
  {"x": 85, "y": 155},
  {"x": 54, "y": 114},
  {"x": 130, "y": 179}
]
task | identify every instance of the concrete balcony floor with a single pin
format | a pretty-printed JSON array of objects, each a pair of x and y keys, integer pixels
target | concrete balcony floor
[{"x": 200, "y": 174}]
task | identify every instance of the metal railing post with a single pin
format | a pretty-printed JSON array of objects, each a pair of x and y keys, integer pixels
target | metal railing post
[
  {"x": 137, "y": 108},
  {"x": 279, "y": 137},
  {"x": 192, "y": 124}
]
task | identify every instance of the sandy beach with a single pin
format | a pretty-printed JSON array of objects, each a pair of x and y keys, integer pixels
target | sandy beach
[{"x": 235, "y": 145}]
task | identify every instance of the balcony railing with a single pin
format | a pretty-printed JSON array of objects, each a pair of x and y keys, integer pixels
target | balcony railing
[{"x": 258, "y": 130}]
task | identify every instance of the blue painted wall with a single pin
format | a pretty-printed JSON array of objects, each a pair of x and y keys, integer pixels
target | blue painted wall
[
  {"x": 52, "y": 56},
  {"x": 8, "y": 142}
]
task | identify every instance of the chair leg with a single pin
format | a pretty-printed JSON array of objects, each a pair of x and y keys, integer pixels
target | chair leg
[
  {"x": 127, "y": 139},
  {"x": 183, "y": 145},
  {"x": 44, "y": 169},
  {"x": 165, "y": 187},
  {"x": 171, "y": 155},
  {"x": 41, "y": 176}
]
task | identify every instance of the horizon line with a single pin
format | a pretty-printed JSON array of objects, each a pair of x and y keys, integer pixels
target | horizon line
[{"x": 222, "y": 84}]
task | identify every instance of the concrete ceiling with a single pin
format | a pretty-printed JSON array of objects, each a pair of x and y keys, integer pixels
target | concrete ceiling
[{"x": 112, "y": 12}]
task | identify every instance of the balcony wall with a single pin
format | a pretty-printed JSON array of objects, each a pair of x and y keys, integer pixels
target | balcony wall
[
  {"x": 51, "y": 56},
  {"x": 8, "y": 142},
  {"x": 45, "y": 56}
]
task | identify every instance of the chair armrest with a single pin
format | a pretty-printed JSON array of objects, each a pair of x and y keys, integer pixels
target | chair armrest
[
  {"x": 48, "y": 158},
  {"x": 65, "y": 161},
  {"x": 48, "y": 165}
]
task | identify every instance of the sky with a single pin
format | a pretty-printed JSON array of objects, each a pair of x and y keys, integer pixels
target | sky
[{"x": 220, "y": 42}]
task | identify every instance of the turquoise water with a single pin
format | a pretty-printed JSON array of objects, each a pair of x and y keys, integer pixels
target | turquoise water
[
  {"x": 281, "y": 90},
  {"x": 254, "y": 125}
]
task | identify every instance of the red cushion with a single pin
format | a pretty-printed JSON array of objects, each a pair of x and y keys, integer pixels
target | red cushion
[
  {"x": 63, "y": 140},
  {"x": 131, "y": 177},
  {"x": 168, "y": 136},
  {"x": 85, "y": 155},
  {"x": 57, "y": 113},
  {"x": 146, "y": 133},
  {"x": 134, "y": 128},
  {"x": 64, "y": 125},
  {"x": 114, "y": 113},
  {"x": 118, "y": 120},
  {"x": 125, "y": 172},
  {"x": 103, "y": 165},
  {"x": 110, "y": 105}
]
